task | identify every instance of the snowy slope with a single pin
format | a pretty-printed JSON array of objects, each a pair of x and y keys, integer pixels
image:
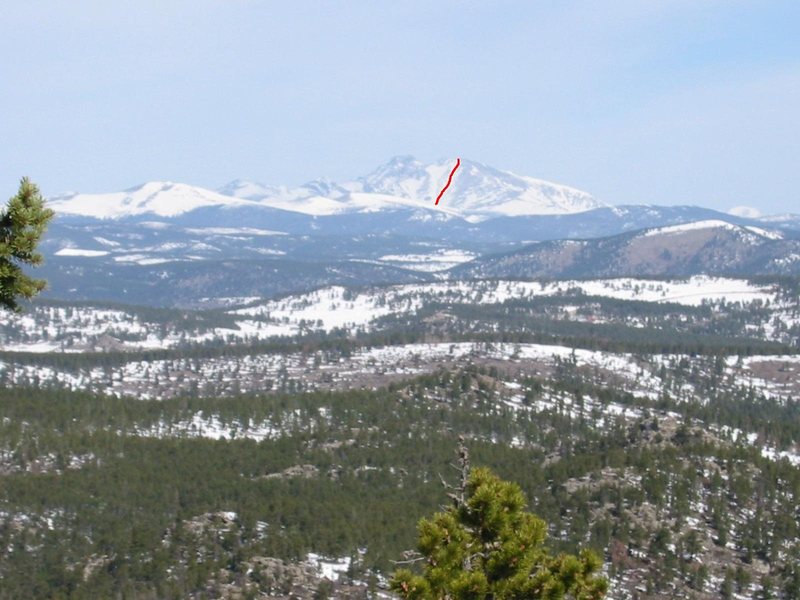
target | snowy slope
[
  {"x": 162, "y": 198},
  {"x": 715, "y": 224},
  {"x": 311, "y": 199},
  {"x": 336, "y": 306}
]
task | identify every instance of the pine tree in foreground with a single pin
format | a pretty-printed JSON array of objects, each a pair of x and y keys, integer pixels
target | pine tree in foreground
[
  {"x": 486, "y": 546},
  {"x": 22, "y": 224}
]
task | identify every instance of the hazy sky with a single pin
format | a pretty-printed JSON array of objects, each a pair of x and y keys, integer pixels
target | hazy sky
[{"x": 642, "y": 101}]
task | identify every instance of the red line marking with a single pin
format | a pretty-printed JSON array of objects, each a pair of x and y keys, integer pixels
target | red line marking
[{"x": 449, "y": 179}]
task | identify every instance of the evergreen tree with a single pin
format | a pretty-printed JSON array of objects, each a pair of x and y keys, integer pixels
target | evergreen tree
[
  {"x": 486, "y": 546},
  {"x": 726, "y": 588},
  {"x": 22, "y": 224}
]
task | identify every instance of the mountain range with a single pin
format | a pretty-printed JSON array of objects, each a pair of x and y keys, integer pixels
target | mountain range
[
  {"x": 250, "y": 239},
  {"x": 479, "y": 192}
]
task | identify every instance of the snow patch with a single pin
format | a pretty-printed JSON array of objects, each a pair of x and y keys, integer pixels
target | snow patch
[
  {"x": 81, "y": 252},
  {"x": 746, "y": 212}
]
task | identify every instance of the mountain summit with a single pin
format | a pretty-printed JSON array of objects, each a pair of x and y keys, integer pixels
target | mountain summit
[{"x": 478, "y": 191}]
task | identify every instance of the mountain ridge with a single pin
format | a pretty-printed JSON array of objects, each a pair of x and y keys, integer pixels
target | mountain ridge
[{"x": 700, "y": 247}]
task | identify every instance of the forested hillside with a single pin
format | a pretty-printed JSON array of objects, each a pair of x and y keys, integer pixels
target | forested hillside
[
  {"x": 264, "y": 451},
  {"x": 103, "y": 496}
]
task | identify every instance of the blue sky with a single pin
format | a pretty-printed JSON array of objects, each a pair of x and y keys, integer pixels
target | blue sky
[{"x": 665, "y": 102}]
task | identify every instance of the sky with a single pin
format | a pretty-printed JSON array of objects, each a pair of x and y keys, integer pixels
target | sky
[{"x": 648, "y": 101}]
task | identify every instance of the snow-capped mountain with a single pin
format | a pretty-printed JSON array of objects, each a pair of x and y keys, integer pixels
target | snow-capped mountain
[
  {"x": 478, "y": 192},
  {"x": 160, "y": 198}
]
